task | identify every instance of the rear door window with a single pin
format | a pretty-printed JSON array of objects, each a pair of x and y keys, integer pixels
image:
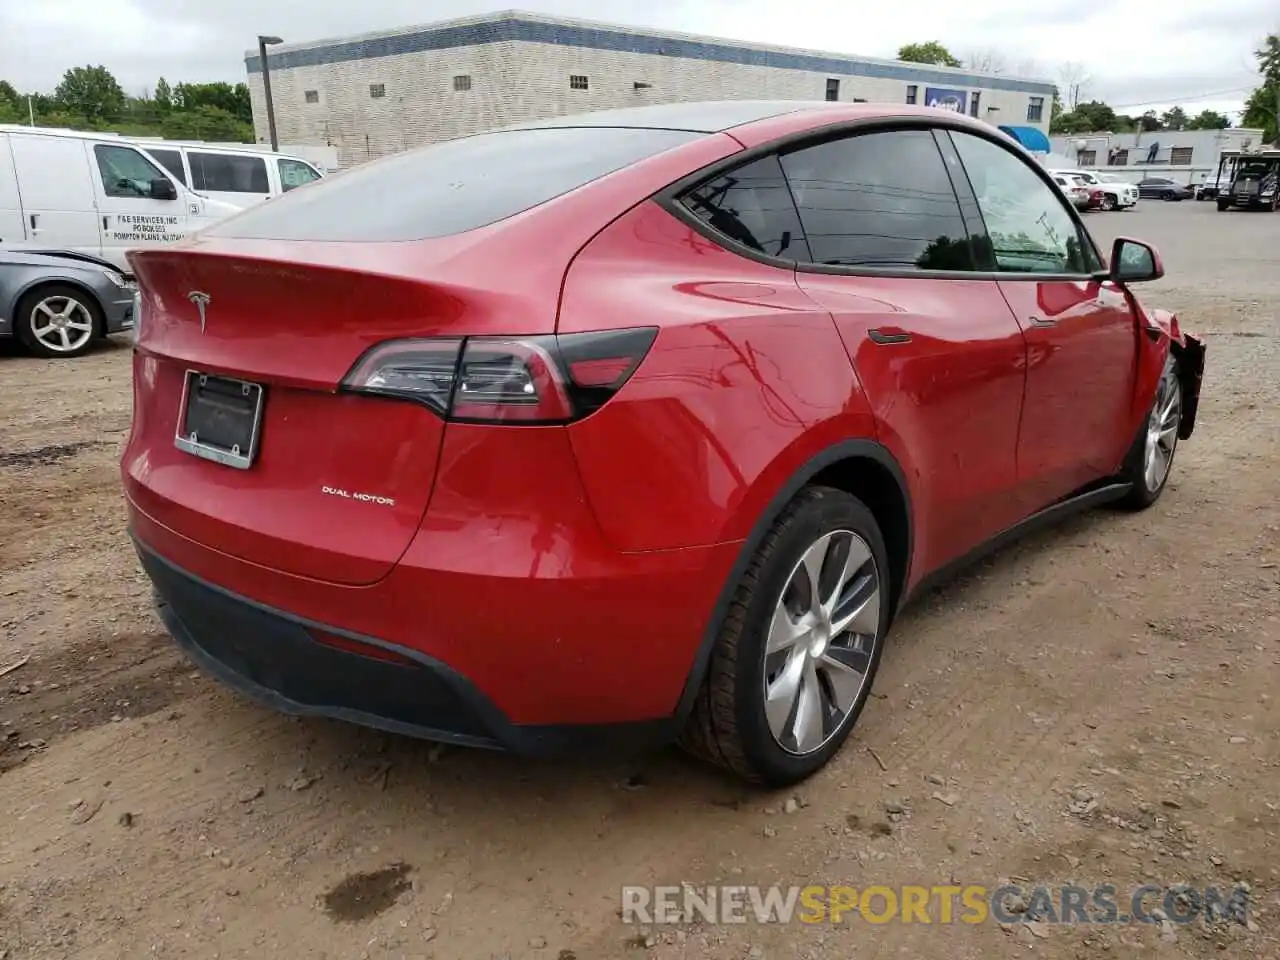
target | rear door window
[
  {"x": 228, "y": 173},
  {"x": 752, "y": 206},
  {"x": 451, "y": 187},
  {"x": 879, "y": 200}
]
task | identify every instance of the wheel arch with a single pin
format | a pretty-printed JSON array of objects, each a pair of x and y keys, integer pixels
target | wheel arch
[{"x": 862, "y": 467}]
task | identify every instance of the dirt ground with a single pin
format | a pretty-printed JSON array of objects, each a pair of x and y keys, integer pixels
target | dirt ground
[{"x": 1095, "y": 705}]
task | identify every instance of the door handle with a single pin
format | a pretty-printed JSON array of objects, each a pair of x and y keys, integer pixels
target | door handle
[
  {"x": 105, "y": 223},
  {"x": 34, "y": 218},
  {"x": 1041, "y": 322},
  {"x": 892, "y": 335}
]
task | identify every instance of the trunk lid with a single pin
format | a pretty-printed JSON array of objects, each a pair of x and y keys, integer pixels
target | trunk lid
[{"x": 338, "y": 483}]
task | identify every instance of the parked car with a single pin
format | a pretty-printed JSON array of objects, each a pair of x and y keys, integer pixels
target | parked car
[
  {"x": 675, "y": 468},
  {"x": 237, "y": 177},
  {"x": 91, "y": 193},
  {"x": 1210, "y": 187},
  {"x": 1075, "y": 191},
  {"x": 1162, "y": 188},
  {"x": 1109, "y": 191},
  {"x": 57, "y": 302}
]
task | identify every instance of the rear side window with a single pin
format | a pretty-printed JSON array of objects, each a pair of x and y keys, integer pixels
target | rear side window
[
  {"x": 879, "y": 200},
  {"x": 451, "y": 187},
  {"x": 171, "y": 160},
  {"x": 228, "y": 173},
  {"x": 752, "y": 206}
]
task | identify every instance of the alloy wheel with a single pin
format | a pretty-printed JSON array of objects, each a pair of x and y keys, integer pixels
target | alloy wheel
[
  {"x": 821, "y": 642},
  {"x": 62, "y": 324},
  {"x": 1162, "y": 432}
]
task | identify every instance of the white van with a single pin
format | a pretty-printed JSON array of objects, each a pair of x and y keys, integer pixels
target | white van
[
  {"x": 238, "y": 177},
  {"x": 100, "y": 195}
]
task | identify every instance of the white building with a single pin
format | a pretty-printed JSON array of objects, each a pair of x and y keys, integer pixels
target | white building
[
  {"x": 1182, "y": 155},
  {"x": 379, "y": 93}
]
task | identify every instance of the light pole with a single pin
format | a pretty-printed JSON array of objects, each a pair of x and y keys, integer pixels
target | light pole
[{"x": 263, "y": 43}]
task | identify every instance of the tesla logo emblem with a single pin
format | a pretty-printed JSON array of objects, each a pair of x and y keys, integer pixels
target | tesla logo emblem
[{"x": 201, "y": 300}]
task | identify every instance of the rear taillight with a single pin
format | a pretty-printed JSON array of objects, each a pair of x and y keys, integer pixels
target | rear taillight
[{"x": 547, "y": 379}]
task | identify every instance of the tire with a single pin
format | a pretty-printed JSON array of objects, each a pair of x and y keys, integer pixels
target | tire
[
  {"x": 1164, "y": 418},
  {"x": 1167, "y": 195},
  {"x": 36, "y": 321},
  {"x": 1108, "y": 201},
  {"x": 1222, "y": 206},
  {"x": 730, "y": 725}
]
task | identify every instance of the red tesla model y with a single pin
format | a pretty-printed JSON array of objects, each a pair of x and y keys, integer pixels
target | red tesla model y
[{"x": 630, "y": 427}]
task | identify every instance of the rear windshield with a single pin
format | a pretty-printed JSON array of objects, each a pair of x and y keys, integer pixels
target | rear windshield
[{"x": 450, "y": 187}]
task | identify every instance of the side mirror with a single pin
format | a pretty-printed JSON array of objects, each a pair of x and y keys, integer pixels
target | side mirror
[
  {"x": 1133, "y": 261},
  {"x": 163, "y": 189}
]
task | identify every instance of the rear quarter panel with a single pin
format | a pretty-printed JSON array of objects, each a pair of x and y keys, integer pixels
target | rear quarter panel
[{"x": 746, "y": 381}]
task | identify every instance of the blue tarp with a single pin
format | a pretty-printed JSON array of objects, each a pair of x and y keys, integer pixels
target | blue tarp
[{"x": 1029, "y": 137}]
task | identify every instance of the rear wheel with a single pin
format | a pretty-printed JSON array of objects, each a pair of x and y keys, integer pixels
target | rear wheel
[
  {"x": 1150, "y": 458},
  {"x": 57, "y": 320},
  {"x": 793, "y": 664}
]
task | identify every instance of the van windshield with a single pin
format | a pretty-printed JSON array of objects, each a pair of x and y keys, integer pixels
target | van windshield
[{"x": 450, "y": 187}]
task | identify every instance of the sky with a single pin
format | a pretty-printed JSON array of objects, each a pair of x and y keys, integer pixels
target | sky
[{"x": 1131, "y": 53}]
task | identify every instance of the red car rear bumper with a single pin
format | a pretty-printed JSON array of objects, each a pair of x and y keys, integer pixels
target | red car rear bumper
[{"x": 498, "y": 627}]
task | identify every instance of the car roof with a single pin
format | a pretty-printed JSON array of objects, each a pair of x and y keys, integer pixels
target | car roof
[{"x": 709, "y": 116}]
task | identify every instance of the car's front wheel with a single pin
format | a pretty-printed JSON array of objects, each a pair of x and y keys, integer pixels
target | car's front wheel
[
  {"x": 1150, "y": 458},
  {"x": 57, "y": 320},
  {"x": 1108, "y": 201},
  {"x": 796, "y": 655}
]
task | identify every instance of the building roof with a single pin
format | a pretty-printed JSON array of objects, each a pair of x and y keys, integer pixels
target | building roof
[{"x": 514, "y": 25}]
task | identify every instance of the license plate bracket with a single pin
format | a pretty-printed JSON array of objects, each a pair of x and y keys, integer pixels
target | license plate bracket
[{"x": 220, "y": 419}]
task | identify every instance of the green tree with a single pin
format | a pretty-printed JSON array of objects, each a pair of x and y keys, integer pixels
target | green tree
[
  {"x": 1262, "y": 109},
  {"x": 164, "y": 96},
  {"x": 1149, "y": 122},
  {"x": 90, "y": 92},
  {"x": 1175, "y": 118},
  {"x": 929, "y": 52},
  {"x": 206, "y": 123},
  {"x": 11, "y": 103},
  {"x": 1209, "y": 120}
]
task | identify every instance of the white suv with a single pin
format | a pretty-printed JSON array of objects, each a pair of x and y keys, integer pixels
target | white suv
[{"x": 1117, "y": 193}]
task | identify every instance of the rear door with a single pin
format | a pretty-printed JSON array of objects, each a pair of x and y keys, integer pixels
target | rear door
[
  {"x": 229, "y": 177},
  {"x": 1081, "y": 333},
  {"x": 11, "y": 229},
  {"x": 57, "y": 193},
  {"x": 937, "y": 351}
]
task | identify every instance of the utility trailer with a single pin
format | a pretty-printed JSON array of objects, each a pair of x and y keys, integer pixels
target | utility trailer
[{"x": 1249, "y": 179}]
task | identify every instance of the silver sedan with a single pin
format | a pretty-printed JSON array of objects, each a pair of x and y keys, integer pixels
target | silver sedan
[{"x": 57, "y": 303}]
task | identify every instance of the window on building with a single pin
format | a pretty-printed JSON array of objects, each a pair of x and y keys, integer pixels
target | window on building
[
  {"x": 879, "y": 200},
  {"x": 1180, "y": 156},
  {"x": 377, "y": 90},
  {"x": 1030, "y": 228},
  {"x": 228, "y": 173},
  {"x": 833, "y": 88},
  {"x": 752, "y": 206},
  {"x": 462, "y": 83},
  {"x": 578, "y": 81},
  {"x": 975, "y": 99},
  {"x": 912, "y": 92},
  {"x": 171, "y": 160},
  {"x": 1118, "y": 158},
  {"x": 1086, "y": 158},
  {"x": 1035, "y": 110},
  {"x": 311, "y": 96}
]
